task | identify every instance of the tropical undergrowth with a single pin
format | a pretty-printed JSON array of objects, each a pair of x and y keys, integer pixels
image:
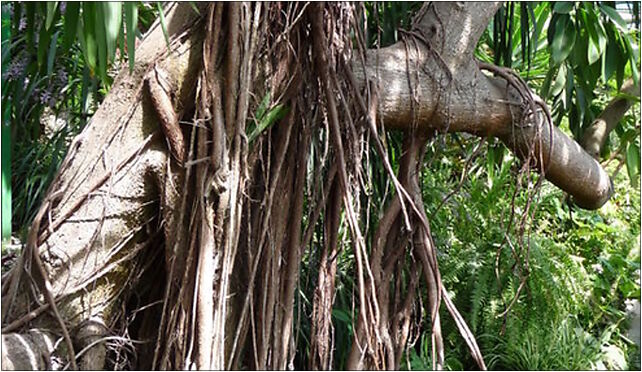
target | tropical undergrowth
[{"x": 584, "y": 270}]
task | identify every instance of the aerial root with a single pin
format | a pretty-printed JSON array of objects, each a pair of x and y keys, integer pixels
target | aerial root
[{"x": 531, "y": 106}]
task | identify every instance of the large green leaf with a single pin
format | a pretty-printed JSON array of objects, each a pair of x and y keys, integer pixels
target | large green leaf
[
  {"x": 113, "y": 17},
  {"x": 564, "y": 39},
  {"x": 546, "y": 85},
  {"x": 602, "y": 39},
  {"x": 563, "y": 7},
  {"x": 614, "y": 16},
  {"x": 51, "y": 13},
  {"x": 85, "y": 91},
  {"x": 596, "y": 33},
  {"x": 161, "y": 16},
  {"x": 101, "y": 41},
  {"x": 594, "y": 52},
  {"x": 43, "y": 46},
  {"x": 633, "y": 162},
  {"x": 633, "y": 59},
  {"x": 88, "y": 35},
  {"x": 524, "y": 36},
  {"x": 560, "y": 81},
  {"x": 70, "y": 24},
  {"x": 121, "y": 44},
  {"x": 131, "y": 23},
  {"x": 272, "y": 116},
  {"x": 30, "y": 9},
  {"x": 596, "y": 44},
  {"x": 613, "y": 58},
  {"x": 52, "y": 53},
  {"x": 568, "y": 96}
]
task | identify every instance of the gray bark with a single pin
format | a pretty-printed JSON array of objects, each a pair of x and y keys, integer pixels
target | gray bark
[{"x": 463, "y": 99}]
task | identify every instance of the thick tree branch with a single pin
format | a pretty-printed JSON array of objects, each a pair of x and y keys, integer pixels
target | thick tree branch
[
  {"x": 454, "y": 28},
  {"x": 451, "y": 94},
  {"x": 595, "y": 136}
]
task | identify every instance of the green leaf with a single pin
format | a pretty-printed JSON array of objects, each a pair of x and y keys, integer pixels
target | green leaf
[
  {"x": 131, "y": 21},
  {"x": 194, "y": 7},
  {"x": 614, "y": 16},
  {"x": 51, "y": 13},
  {"x": 603, "y": 65},
  {"x": 542, "y": 15},
  {"x": 633, "y": 162},
  {"x": 563, "y": 40},
  {"x": 633, "y": 59},
  {"x": 121, "y": 44},
  {"x": 342, "y": 315},
  {"x": 601, "y": 38},
  {"x": 597, "y": 36},
  {"x": 587, "y": 74},
  {"x": 101, "y": 41},
  {"x": 52, "y": 53},
  {"x": 70, "y": 24},
  {"x": 546, "y": 85},
  {"x": 84, "y": 92},
  {"x": 28, "y": 92},
  {"x": 560, "y": 81},
  {"x": 88, "y": 35},
  {"x": 30, "y": 9},
  {"x": 593, "y": 52},
  {"x": 569, "y": 88},
  {"x": 612, "y": 60},
  {"x": 112, "y": 12},
  {"x": 43, "y": 45},
  {"x": 274, "y": 115},
  {"x": 524, "y": 35},
  {"x": 619, "y": 74},
  {"x": 628, "y": 135},
  {"x": 563, "y": 7},
  {"x": 587, "y": 23},
  {"x": 161, "y": 15},
  {"x": 265, "y": 102}
]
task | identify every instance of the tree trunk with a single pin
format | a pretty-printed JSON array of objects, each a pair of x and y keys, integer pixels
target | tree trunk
[{"x": 197, "y": 225}]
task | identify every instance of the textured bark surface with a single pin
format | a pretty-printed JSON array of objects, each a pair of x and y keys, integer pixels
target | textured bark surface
[{"x": 103, "y": 224}]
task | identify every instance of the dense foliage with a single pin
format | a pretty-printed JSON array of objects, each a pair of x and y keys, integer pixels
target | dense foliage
[
  {"x": 584, "y": 269},
  {"x": 55, "y": 73},
  {"x": 579, "y": 270}
]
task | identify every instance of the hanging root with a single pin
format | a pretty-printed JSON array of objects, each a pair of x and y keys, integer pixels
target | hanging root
[
  {"x": 534, "y": 113},
  {"x": 278, "y": 114}
]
